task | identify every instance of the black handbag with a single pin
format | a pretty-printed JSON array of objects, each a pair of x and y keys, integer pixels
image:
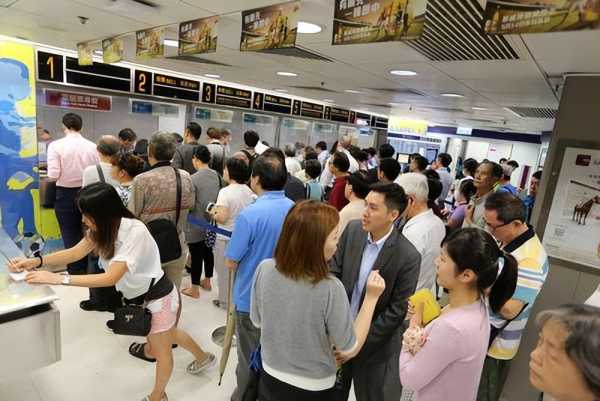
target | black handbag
[
  {"x": 133, "y": 320},
  {"x": 165, "y": 232}
]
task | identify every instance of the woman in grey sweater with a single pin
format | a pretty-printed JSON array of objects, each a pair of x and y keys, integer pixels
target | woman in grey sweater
[{"x": 303, "y": 311}]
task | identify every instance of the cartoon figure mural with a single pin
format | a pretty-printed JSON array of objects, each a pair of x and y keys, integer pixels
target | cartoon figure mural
[{"x": 20, "y": 211}]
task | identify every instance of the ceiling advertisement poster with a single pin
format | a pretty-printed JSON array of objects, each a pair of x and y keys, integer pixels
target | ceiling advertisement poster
[
  {"x": 198, "y": 36},
  {"x": 84, "y": 54},
  {"x": 112, "y": 50},
  {"x": 271, "y": 27},
  {"x": 534, "y": 16},
  {"x": 574, "y": 220},
  {"x": 149, "y": 43},
  {"x": 368, "y": 21}
]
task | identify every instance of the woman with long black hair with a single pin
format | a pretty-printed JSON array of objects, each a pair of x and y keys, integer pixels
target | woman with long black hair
[
  {"x": 444, "y": 360},
  {"x": 131, "y": 261}
]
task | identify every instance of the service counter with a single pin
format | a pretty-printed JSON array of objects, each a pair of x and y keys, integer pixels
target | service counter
[{"x": 29, "y": 321}]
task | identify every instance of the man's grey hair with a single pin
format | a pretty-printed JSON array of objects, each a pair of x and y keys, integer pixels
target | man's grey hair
[
  {"x": 414, "y": 184},
  {"x": 582, "y": 344},
  {"x": 162, "y": 146}
]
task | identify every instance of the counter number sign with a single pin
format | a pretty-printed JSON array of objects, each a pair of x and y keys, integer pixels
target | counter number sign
[
  {"x": 296, "y": 108},
  {"x": 208, "y": 93},
  {"x": 143, "y": 82},
  {"x": 50, "y": 67},
  {"x": 258, "y": 101}
]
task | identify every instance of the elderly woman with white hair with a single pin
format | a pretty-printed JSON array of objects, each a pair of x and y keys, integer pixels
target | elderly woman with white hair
[
  {"x": 565, "y": 364},
  {"x": 423, "y": 228}
]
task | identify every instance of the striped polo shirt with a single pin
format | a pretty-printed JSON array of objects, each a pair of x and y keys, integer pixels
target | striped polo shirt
[{"x": 533, "y": 270}]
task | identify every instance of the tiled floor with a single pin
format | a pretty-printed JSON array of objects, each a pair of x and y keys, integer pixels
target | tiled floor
[{"x": 96, "y": 366}]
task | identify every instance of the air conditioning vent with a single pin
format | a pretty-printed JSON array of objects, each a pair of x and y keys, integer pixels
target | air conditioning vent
[
  {"x": 299, "y": 52},
  {"x": 199, "y": 60},
  {"x": 7, "y": 3},
  {"x": 453, "y": 33},
  {"x": 146, "y": 3},
  {"x": 385, "y": 106},
  {"x": 314, "y": 88},
  {"x": 398, "y": 91},
  {"x": 534, "y": 112}
]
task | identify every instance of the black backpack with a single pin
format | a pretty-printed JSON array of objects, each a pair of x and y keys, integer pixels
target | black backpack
[
  {"x": 165, "y": 232},
  {"x": 250, "y": 157}
]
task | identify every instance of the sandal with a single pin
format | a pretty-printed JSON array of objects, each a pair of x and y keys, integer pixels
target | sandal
[
  {"x": 188, "y": 292},
  {"x": 137, "y": 350},
  {"x": 165, "y": 398}
]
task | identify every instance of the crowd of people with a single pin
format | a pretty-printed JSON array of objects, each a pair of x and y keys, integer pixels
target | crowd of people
[{"x": 325, "y": 249}]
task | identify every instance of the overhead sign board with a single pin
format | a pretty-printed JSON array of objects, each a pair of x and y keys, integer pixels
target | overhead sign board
[
  {"x": 80, "y": 101},
  {"x": 368, "y": 21},
  {"x": 198, "y": 36},
  {"x": 527, "y": 16},
  {"x": 175, "y": 87},
  {"x": 270, "y": 27}
]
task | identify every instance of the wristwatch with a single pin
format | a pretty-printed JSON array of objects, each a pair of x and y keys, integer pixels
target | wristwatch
[{"x": 66, "y": 279}]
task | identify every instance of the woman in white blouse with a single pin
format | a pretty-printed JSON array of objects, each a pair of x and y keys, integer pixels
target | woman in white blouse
[{"x": 131, "y": 262}]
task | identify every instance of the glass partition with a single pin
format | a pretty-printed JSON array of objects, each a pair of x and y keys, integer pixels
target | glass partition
[
  {"x": 322, "y": 132},
  {"x": 265, "y": 126},
  {"x": 294, "y": 130}
]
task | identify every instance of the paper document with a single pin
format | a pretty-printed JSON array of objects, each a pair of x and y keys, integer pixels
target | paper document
[{"x": 18, "y": 276}]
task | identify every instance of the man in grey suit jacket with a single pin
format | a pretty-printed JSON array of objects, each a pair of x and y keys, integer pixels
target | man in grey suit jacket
[{"x": 375, "y": 244}]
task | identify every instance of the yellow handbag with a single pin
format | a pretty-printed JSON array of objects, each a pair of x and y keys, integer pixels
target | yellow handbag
[{"x": 431, "y": 309}]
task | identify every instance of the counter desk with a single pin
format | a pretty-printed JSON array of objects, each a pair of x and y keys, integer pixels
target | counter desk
[{"x": 29, "y": 320}]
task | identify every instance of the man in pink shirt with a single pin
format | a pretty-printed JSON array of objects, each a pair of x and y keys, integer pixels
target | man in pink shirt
[{"x": 67, "y": 158}]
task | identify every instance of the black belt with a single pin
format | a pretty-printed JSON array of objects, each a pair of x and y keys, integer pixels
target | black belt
[{"x": 160, "y": 289}]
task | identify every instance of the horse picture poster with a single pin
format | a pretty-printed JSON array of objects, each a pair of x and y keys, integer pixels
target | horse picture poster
[{"x": 574, "y": 220}]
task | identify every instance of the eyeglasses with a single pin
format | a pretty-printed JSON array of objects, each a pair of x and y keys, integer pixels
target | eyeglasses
[{"x": 493, "y": 228}]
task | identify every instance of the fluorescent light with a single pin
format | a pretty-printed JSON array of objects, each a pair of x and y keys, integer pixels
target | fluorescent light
[
  {"x": 280, "y": 90},
  {"x": 98, "y": 52},
  {"x": 450, "y": 95},
  {"x": 212, "y": 75},
  {"x": 403, "y": 73},
  {"x": 307, "y": 27},
  {"x": 352, "y": 91},
  {"x": 287, "y": 74},
  {"x": 329, "y": 100},
  {"x": 171, "y": 42},
  {"x": 479, "y": 108}
]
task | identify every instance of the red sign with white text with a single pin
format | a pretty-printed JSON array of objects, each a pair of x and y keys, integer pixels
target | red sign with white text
[{"x": 71, "y": 100}]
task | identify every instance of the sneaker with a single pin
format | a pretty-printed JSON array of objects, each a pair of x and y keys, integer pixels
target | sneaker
[
  {"x": 196, "y": 367},
  {"x": 110, "y": 326}
]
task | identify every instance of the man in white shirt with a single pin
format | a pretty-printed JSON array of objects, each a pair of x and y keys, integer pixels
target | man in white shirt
[
  {"x": 108, "y": 147},
  {"x": 343, "y": 145},
  {"x": 423, "y": 228},
  {"x": 291, "y": 163},
  {"x": 321, "y": 148},
  {"x": 67, "y": 158},
  {"x": 441, "y": 166}
]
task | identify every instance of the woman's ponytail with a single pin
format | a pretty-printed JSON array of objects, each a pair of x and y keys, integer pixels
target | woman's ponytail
[
  {"x": 504, "y": 287},
  {"x": 477, "y": 250}
]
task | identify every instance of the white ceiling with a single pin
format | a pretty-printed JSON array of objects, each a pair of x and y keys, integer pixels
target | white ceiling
[{"x": 490, "y": 84}]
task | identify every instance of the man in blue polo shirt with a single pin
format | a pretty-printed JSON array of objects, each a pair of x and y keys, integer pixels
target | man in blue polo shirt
[{"x": 254, "y": 238}]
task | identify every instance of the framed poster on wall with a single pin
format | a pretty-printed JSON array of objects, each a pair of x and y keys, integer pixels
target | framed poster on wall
[{"x": 571, "y": 231}]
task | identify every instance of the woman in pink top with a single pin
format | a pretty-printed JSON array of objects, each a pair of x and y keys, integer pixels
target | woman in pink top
[{"x": 444, "y": 360}]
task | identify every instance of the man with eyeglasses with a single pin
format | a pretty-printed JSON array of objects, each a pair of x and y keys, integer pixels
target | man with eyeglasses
[{"x": 505, "y": 218}]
